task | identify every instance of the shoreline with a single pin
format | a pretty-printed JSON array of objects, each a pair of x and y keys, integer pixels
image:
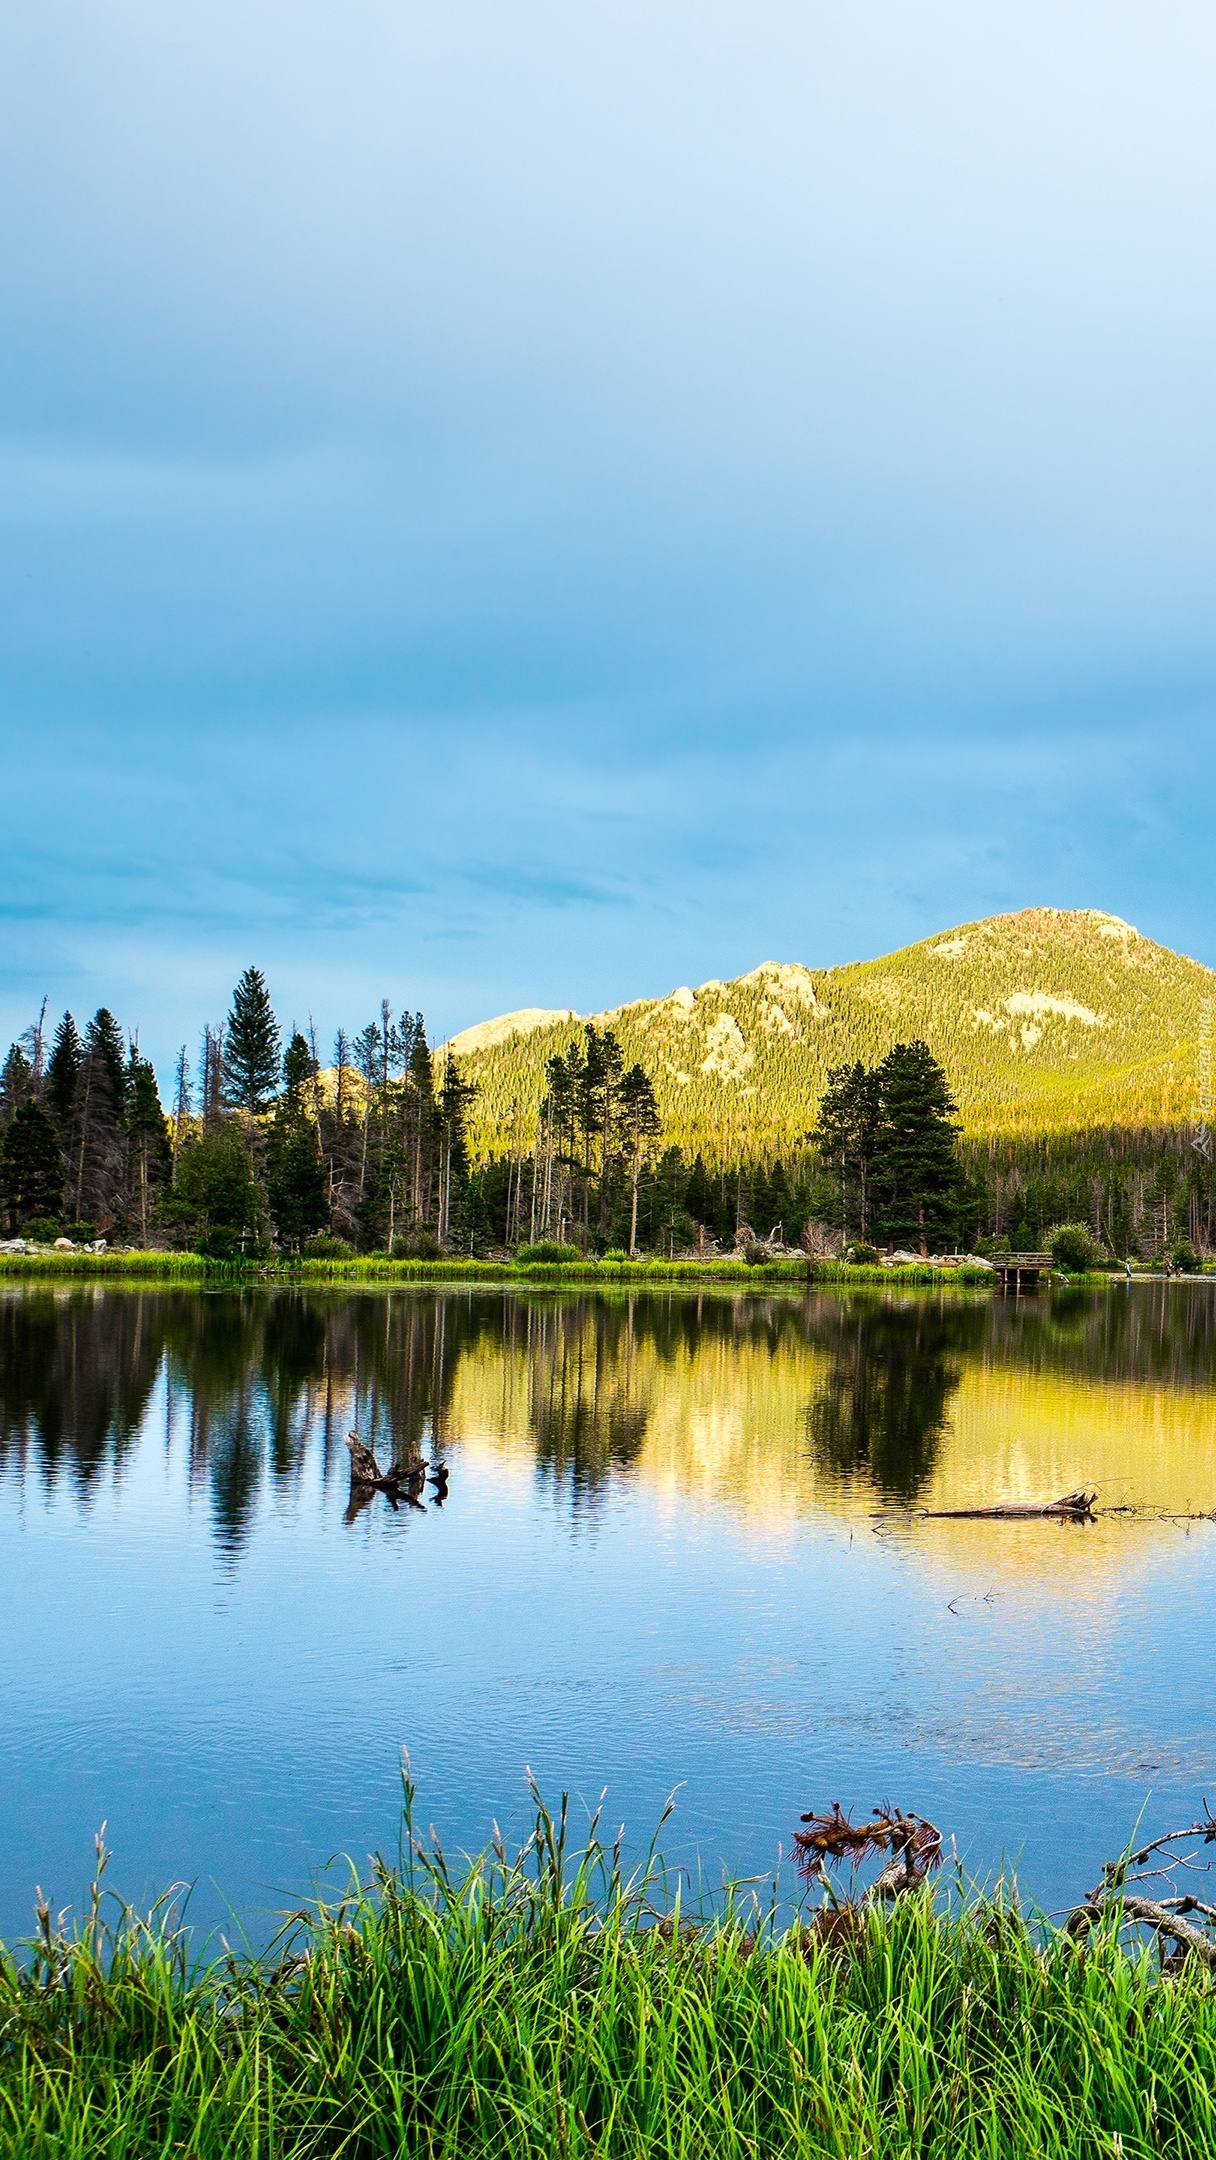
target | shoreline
[
  {"x": 547, "y": 2005},
  {"x": 142, "y": 1266},
  {"x": 194, "y": 1268}
]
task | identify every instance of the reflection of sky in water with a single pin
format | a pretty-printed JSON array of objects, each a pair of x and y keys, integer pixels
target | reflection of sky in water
[{"x": 679, "y": 1548}]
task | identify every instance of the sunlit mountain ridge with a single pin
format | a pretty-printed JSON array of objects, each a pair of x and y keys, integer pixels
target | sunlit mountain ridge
[{"x": 1046, "y": 1021}]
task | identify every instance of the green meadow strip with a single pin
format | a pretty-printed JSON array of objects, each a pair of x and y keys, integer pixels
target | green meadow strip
[
  {"x": 546, "y": 2006},
  {"x": 378, "y": 1268}
]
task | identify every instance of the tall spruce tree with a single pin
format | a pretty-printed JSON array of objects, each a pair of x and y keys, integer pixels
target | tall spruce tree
[
  {"x": 297, "y": 1187},
  {"x": 916, "y": 1172},
  {"x": 16, "y": 1083},
  {"x": 251, "y": 1046},
  {"x": 31, "y": 1166},
  {"x": 63, "y": 1074},
  {"x": 150, "y": 1154},
  {"x": 639, "y": 1127},
  {"x": 97, "y": 1159},
  {"x": 846, "y": 1135}
]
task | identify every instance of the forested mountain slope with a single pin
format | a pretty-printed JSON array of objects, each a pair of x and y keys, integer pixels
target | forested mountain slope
[{"x": 1047, "y": 1021}]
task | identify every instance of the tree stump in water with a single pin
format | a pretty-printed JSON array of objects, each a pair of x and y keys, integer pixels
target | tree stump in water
[{"x": 364, "y": 1469}]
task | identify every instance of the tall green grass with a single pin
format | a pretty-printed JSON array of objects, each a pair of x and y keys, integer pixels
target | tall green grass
[
  {"x": 53, "y": 1266},
  {"x": 376, "y": 1268},
  {"x": 545, "y": 2006}
]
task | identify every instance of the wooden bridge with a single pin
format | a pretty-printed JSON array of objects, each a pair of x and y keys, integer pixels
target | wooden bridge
[{"x": 1018, "y": 1272}]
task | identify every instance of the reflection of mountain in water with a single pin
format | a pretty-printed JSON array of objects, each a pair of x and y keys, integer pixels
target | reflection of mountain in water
[
  {"x": 883, "y": 1408},
  {"x": 713, "y": 1394}
]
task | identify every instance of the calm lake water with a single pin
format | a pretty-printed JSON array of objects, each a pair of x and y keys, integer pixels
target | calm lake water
[{"x": 680, "y": 1547}]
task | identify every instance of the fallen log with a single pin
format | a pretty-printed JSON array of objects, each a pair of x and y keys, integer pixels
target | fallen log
[{"x": 1077, "y": 1506}]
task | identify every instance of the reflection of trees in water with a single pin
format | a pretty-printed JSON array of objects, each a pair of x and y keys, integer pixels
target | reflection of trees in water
[
  {"x": 76, "y": 1374},
  {"x": 588, "y": 1411},
  {"x": 1150, "y": 1331},
  {"x": 595, "y": 1366},
  {"x": 883, "y": 1409},
  {"x": 257, "y": 1377}
]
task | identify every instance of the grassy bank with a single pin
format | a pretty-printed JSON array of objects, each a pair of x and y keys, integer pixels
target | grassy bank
[
  {"x": 375, "y": 1268},
  {"x": 529, "y": 2011}
]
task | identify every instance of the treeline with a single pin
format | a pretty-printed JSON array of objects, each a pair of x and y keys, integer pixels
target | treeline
[{"x": 262, "y": 1147}]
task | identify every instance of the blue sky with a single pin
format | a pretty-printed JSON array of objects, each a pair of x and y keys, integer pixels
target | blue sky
[{"x": 535, "y": 504}]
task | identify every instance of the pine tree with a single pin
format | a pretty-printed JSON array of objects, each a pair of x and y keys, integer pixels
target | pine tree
[
  {"x": 251, "y": 1046},
  {"x": 847, "y": 1136},
  {"x": 296, "y": 1184},
  {"x": 297, "y": 1187},
  {"x": 640, "y": 1124},
  {"x": 63, "y": 1075},
  {"x": 16, "y": 1083},
  {"x": 97, "y": 1160},
  {"x": 916, "y": 1171},
  {"x": 455, "y": 1097},
  {"x": 150, "y": 1156},
  {"x": 31, "y": 1166}
]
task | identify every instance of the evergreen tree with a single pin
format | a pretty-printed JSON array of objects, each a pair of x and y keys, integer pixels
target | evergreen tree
[
  {"x": 63, "y": 1075},
  {"x": 297, "y": 1187},
  {"x": 296, "y": 1184},
  {"x": 251, "y": 1046},
  {"x": 640, "y": 1125},
  {"x": 16, "y": 1083},
  {"x": 216, "y": 1205},
  {"x": 916, "y": 1171},
  {"x": 31, "y": 1166},
  {"x": 847, "y": 1136},
  {"x": 455, "y": 1097},
  {"x": 150, "y": 1155},
  {"x": 299, "y": 1068},
  {"x": 97, "y": 1154}
]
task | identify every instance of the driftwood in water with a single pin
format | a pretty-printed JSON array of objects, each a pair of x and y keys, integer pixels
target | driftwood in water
[
  {"x": 1078, "y": 1506},
  {"x": 1179, "y": 1936},
  {"x": 365, "y": 1470}
]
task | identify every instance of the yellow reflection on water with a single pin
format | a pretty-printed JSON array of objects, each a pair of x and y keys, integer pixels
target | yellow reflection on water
[{"x": 775, "y": 1414}]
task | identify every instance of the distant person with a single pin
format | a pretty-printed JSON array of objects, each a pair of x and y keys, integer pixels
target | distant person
[{"x": 1127, "y": 1264}]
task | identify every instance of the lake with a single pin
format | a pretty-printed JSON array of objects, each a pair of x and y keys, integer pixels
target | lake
[{"x": 681, "y": 1546}]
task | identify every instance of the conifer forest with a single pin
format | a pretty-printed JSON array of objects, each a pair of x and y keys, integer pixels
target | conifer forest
[{"x": 266, "y": 1145}]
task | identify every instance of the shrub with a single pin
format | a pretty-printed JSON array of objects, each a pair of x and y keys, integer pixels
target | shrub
[
  {"x": 860, "y": 1254},
  {"x": 417, "y": 1245},
  {"x": 324, "y": 1247},
  {"x": 757, "y": 1255},
  {"x": 81, "y": 1233},
  {"x": 1073, "y": 1247},
  {"x": 550, "y": 1249},
  {"x": 41, "y": 1230},
  {"x": 1185, "y": 1258},
  {"x": 615, "y": 1252}
]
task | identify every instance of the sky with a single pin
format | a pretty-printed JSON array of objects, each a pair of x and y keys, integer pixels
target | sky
[{"x": 532, "y": 505}]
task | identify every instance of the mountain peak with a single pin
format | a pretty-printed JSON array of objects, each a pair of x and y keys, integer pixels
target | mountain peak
[{"x": 1045, "y": 1020}]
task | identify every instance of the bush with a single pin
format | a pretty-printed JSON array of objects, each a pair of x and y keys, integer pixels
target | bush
[
  {"x": 860, "y": 1254},
  {"x": 548, "y": 1249},
  {"x": 417, "y": 1245},
  {"x": 324, "y": 1247},
  {"x": 42, "y": 1231},
  {"x": 757, "y": 1255},
  {"x": 1073, "y": 1247},
  {"x": 615, "y": 1252},
  {"x": 1186, "y": 1259},
  {"x": 81, "y": 1233}
]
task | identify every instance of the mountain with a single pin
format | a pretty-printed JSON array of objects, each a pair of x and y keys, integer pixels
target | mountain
[{"x": 1047, "y": 1021}]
